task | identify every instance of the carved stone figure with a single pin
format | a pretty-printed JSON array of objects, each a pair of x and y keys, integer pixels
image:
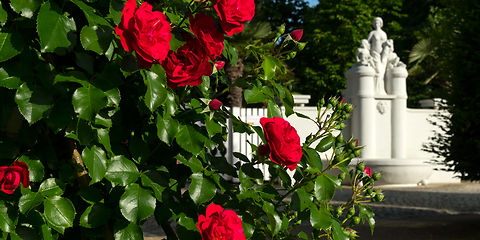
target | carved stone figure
[
  {"x": 363, "y": 54},
  {"x": 377, "y": 37}
]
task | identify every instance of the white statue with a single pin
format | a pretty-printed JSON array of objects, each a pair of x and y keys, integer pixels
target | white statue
[
  {"x": 363, "y": 54},
  {"x": 377, "y": 37}
]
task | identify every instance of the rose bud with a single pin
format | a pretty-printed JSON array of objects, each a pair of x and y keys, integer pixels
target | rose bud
[
  {"x": 368, "y": 171},
  {"x": 263, "y": 150},
  {"x": 215, "y": 104},
  {"x": 297, "y": 34},
  {"x": 219, "y": 64}
]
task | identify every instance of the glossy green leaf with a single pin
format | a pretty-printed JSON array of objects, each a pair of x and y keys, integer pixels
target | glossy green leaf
[
  {"x": 367, "y": 214},
  {"x": 35, "y": 168},
  {"x": 190, "y": 139},
  {"x": 324, "y": 188},
  {"x": 104, "y": 139},
  {"x": 95, "y": 38},
  {"x": 167, "y": 128},
  {"x": 313, "y": 159},
  {"x": 201, "y": 189},
  {"x": 8, "y": 217},
  {"x": 156, "y": 92},
  {"x": 301, "y": 200},
  {"x": 193, "y": 163},
  {"x": 115, "y": 10},
  {"x": 273, "y": 110},
  {"x": 151, "y": 180},
  {"x": 53, "y": 27},
  {"x": 10, "y": 82},
  {"x": 26, "y": 8},
  {"x": 326, "y": 143},
  {"x": 3, "y": 15},
  {"x": 73, "y": 76},
  {"x": 46, "y": 232},
  {"x": 121, "y": 171},
  {"x": 95, "y": 160},
  {"x": 95, "y": 216},
  {"x": 129, "y": 232},
  {"x": 212, "y": 127},
  {"x": 87, "y": 101},
  {"x": 91, "y": 14},
  {"x": 254, "y": 95},
  {"x": 320, "y": 218},
  {"x": 31, "y": 105},
  {"x": 29, "y": 201},
  {"x": 269, "y": 66},
  {"x": 137, "y": 203},
  {"x": 11, "y": 44},
  {"x": 51, "y": 187},
  {"x": 59, "y": 211},
  {"x": 114, "y": 97}
]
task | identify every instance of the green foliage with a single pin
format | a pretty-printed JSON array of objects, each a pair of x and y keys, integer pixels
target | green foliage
[
  {"x": 109, "y": 145},
  {"x": 456, "y": 52}
]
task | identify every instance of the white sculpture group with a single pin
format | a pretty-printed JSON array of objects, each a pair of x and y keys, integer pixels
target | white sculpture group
[{"x": 377, "y": 52}]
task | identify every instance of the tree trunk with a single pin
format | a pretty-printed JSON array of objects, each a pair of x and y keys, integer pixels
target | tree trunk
[{"x": 236, "y": 93}]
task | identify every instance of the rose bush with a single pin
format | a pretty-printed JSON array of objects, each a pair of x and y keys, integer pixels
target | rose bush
[
  {"x": 283, "y": 142},
  {"x": 111, "y": 116}
]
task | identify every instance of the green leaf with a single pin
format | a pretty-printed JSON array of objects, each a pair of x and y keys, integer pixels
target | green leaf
[
  {"x": 152, "y": 180},
  {"x": 90, "y": 14},
  {"x": 320, "y": 218},
  {"x": 53, "y": 27},
  {"x": 288, "y": 102},
  {"x": 32, "y": 105},
  {"x": 29, "y": 201},
  {"x": 273, "y": 110},
  {"x": 35, "y": 168},
  {"x": 326, "y": 143},
  {"x": 96, "y": 162},
  {"x": 51, "y": 187},
  {"x": 46, "y": 232},
  {"x": 367, "y": 214},
  {"x": 136, "y": 203},
  {"x": 3, "y": 15},
  {"x": 301, "y": 200},
  {"x": 254, "y": 95},
  {"x": 8, "y": 217},
  {"x": 95, "y": 216},
  {"x": 201, "y": 189},
  {"x": 129, "y": 232},
  {"x": 10, "y": 82},
  {"x": 72, "y": 76},
  {"x": 193, "y": 163},
  {"x": 11, "y": 44},
  {"x": 167, "y": 128},
  {"x": 95, "y": 38},
  {"x": 87, "y": 101},
  {"x": 269, "y": 66},
  {"x": 104, "y": 139},
  {"x": 324, "y": 188},
  {"x": 190, "y": 139},
  {"x": 26, "y": 8},
  {"x": 121, "y": 171},
  {"x": 187, "y": 222},
  {"x": 115, "y": 10},
  {"x": 313, "y": 159},
  {"x": 156, "y": 92},
  {"x": 212, "y": 127},
  {"x": 59, "y": 211}
]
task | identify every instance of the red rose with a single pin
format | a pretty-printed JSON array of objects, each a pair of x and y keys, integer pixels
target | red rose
[
  {"x": 220, "y": 224},
  {"x": 368, "y": 171},
  {"x": 187, "y": 65},
  {"x": 283, "y": 142},
  {"x": 215, "y": 104},
  {"x": 297, "y": 34},
  {"x": 203, "y": 26},
  {"x": 11, "y": 177},
  {"x": 233, "y": 13},
  {"x": 144, "y": 31}
]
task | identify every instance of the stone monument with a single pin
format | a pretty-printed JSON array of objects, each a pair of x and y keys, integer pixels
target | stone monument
[{"x": 376, "y": 85}]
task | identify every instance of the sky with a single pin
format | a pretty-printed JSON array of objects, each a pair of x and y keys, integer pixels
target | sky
[{"x": 312, "y": 3}]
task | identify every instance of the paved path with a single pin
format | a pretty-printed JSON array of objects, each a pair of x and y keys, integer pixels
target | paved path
[{"x": 435, "y": 211}]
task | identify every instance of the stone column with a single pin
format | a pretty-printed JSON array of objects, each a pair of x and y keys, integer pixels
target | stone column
[
  {"x": 399, "y": 112},
  {"x": 363, "y": 124}
]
